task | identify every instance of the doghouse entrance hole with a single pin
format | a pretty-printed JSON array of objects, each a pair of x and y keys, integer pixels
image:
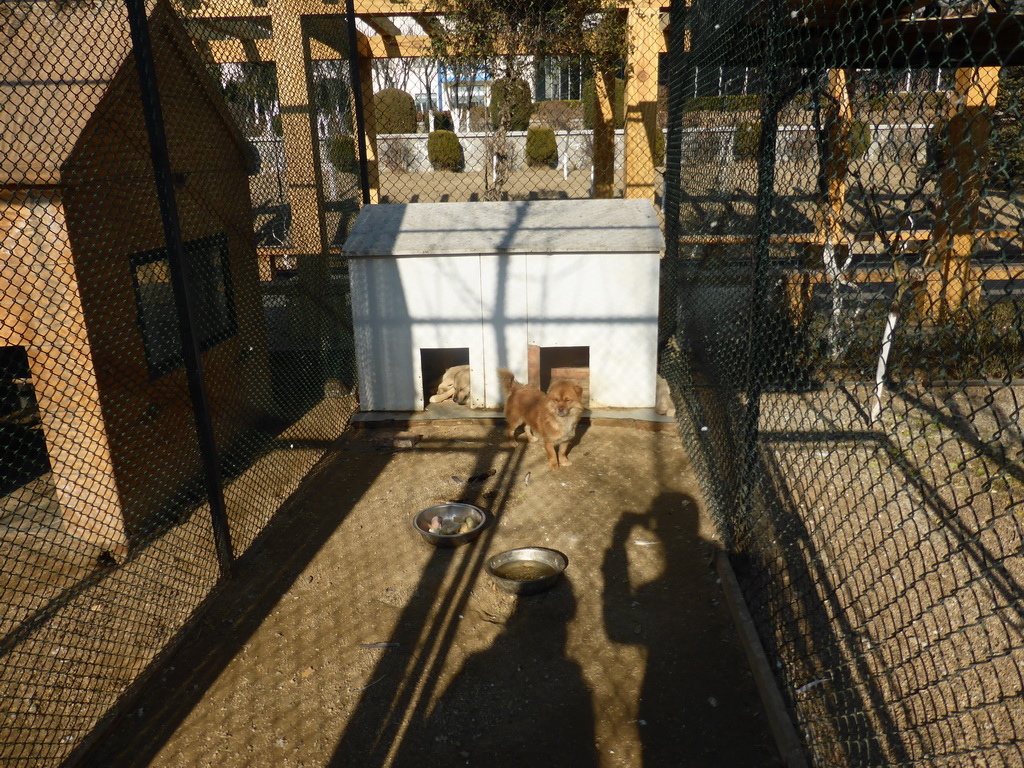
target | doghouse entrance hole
[
  {"x": 572, "y": 363},
  {"x": 19, "y": 423},
  {"x": 433, "y": 364}
]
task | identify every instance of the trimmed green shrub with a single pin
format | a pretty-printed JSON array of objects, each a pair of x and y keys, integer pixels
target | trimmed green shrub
[
  {"x": 520, "y": 103},
  {"x": 443, "y": 121},
  {"x": 981, "y": 341},
  {"x": 936, "y": 147},
  {"x": 444, "y": 151},
  {"x": 541, "y": 148},
  {"x": 395, "y": 111},
  {"x": 341, "y": 151},
  {"x": 590, "y": 104},
  {"x": 914, "y": 103},
  {"x": 747, "y": 139},
  {"x": 658, "y": 149},
  {"x": 737, "y": 103},
  {"x": 860, "y": 139},
  {"x": 1006, "y": 159}
]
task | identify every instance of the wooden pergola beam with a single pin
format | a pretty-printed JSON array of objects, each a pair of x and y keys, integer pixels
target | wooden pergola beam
[
  {"x": 240, "y": 51},
  {"x": 648, "y": 29},
  {"x": 243, "y": 51},
  {"x": 397, "y": 47},
  {"x": 968, "y": 143},
  {"x": 987, "y": 39},
  {"x": 365, "y": 9}
]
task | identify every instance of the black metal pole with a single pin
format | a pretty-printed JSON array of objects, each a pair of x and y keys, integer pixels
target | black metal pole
[
  {"x": 756, "y": 354},
  {"x": 184, "y": 300},
  {"x": 671, "y": 184},
  {"x": 357, "y": 97}
]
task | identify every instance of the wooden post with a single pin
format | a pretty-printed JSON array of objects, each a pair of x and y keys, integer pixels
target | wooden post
[
  {"x": 309, "y": 236},
  {"x": 370, "y": 124},
  {"x": 646, "y": 39},
  {"x": 301, "y": 148},
  {"x": 968, "y": 136},
  {"x": 838, "y": 119},
  {"x": 604, "y": 134}
]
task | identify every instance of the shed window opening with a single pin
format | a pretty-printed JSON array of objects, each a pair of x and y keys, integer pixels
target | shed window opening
[{"x": 208, "y": 273}]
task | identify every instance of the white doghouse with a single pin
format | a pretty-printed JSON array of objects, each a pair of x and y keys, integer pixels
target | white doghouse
[{"x": 545, "y": 288}]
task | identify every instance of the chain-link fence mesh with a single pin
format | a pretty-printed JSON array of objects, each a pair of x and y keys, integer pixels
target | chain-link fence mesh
[
  {"x": 472, "y": 101},
  {"x": 844, "y": 339},
  {"x": 841, "y": 312},
  {"x": 150, "y": 426}
]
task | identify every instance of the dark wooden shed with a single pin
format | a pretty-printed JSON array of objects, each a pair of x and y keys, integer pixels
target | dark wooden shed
[{"x": 84, "y": 280}]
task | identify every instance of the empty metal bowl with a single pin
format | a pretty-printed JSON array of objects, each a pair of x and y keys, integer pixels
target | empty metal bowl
[
  {"x": 526, "y": 570},
  {"x": 449, "y": 525}
]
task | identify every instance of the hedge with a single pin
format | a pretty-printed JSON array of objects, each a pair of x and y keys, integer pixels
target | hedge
[
  {"x": 444, "y": 151},
  {"x": 746, "y": 141},
  {"x": 395, "y": 111},
  {"x": 740, "y": 103},
  {"x": 541, "y": 147},
  {"x": 443, "y": 121}
]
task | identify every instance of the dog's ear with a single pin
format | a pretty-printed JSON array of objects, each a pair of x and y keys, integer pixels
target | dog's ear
[{"x": 579, "y": 390}]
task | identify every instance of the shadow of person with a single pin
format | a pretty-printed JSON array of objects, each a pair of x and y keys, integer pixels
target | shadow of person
[
  {"x": 698, "y": 705},
  {"x": 524, "y": 679}
]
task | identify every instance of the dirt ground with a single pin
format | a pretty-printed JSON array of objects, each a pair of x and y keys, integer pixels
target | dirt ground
[{"x": 345, "y": 640}]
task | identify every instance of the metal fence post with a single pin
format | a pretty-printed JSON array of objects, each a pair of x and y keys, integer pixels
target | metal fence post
[
  {"x": 674, "y": 139},
  {"x": 184, "y": 299},
  {"x": 671, "y": 189},
  {"x": 357, "y": 96},
  {"x": 770, "y": 105}
]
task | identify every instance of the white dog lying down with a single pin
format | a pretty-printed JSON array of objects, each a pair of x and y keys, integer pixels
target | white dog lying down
[
  {"x": 663, "y": 403},
  {"x": 454, "y": 386}
]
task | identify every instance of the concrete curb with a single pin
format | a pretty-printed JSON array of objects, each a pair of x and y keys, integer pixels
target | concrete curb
[{"x": 786, "y": 738}]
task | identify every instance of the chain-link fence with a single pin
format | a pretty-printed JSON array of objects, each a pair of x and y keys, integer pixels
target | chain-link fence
[
  {"x": 844, "y": 338},
  {"x": 472, "y": 101},
  {"x": 174, "y": 344},
  {"x": 841, "y": 312}
]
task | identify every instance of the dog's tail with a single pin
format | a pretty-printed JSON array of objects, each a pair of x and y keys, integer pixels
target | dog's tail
[{"x": 508, "y": 381}]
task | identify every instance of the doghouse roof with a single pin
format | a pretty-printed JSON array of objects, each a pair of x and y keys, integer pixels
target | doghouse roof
[
  {"x": 533, "y": 226},
  {"x": 57, "y": 62}
]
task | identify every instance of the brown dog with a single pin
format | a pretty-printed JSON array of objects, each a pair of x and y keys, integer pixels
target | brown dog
[{"x": 552, "y": 417}]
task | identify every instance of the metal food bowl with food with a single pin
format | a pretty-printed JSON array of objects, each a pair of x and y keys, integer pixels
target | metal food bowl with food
[
  {"x": 526, "y": 570},
  {"x": 449, "y": 525}
]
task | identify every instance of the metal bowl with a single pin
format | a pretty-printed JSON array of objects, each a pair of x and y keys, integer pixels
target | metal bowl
[
  {"x": 527, "y": 570},
  {"x": 451, "y": 517}
]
